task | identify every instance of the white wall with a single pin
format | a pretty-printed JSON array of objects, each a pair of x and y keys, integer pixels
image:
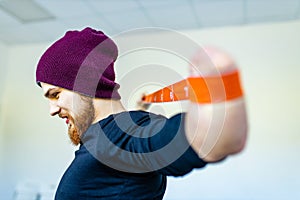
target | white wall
[
  {"x": 3, "y": 59},
  {"x": 3, "y": 65},
  {"x": 268, "y": 56},
  {"x": 37, "y": 147}
]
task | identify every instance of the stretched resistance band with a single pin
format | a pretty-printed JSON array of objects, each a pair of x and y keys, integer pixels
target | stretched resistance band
[{"x": 199, "y": 89}]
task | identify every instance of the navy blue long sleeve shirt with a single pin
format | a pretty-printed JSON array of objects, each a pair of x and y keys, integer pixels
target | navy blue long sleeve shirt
[{"x": 128, "y": 156}]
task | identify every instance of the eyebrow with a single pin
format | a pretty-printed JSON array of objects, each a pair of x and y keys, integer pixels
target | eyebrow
[{"x": 50, "y": 92}]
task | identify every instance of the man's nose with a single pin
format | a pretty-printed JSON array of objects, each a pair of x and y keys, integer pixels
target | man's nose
[{"x": 54, "y": 108}]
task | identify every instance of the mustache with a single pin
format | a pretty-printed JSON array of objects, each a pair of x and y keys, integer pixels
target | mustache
[{"x": 65, "y": 115}]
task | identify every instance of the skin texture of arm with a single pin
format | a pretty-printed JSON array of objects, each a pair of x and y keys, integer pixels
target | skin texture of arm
[{"x": 215, "y": 130}]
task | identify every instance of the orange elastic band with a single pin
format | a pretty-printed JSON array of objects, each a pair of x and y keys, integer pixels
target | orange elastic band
[
  {"x": 200, "y": 89},
  {"x": 215, "y": 89},
  {"x": 175, "y": 92}
]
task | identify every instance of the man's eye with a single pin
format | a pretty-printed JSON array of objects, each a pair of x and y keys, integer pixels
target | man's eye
[{"x": 55, "y": 95}]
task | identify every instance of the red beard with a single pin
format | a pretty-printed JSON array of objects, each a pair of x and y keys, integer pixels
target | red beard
[{"x": 74, "y": 135}]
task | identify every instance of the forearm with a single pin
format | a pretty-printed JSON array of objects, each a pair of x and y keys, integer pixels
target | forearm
[{"x": 217, "y": 130}]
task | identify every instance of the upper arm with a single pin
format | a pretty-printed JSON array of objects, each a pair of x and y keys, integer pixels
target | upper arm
[{"x": 124, "y": 145}]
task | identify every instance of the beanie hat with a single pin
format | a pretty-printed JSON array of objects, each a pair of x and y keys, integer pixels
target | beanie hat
[{"x": 81, "y": 61}]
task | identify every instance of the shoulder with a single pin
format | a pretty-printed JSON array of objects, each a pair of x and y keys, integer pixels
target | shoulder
[
  {"x": 139, "y": 114},
  {"x": 138, "y": 117}
]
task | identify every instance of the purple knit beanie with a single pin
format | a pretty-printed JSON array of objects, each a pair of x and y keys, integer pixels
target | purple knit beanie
[{"x": 81, "y": 61}]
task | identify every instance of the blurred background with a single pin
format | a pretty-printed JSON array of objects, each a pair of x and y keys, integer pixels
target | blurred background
[{"x": 261, "y": 35}]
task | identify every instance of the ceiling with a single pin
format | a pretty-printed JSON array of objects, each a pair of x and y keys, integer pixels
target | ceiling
[{"x": 115, "y": 16}]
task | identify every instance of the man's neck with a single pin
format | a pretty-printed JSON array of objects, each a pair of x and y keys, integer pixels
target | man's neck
[{"x": 105, "y": 107}]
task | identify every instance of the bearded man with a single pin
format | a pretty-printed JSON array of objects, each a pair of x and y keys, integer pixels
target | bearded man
[{"x": 129, "y": 154}]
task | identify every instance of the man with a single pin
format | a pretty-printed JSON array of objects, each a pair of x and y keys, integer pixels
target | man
[{"x": 127, "y": 155}]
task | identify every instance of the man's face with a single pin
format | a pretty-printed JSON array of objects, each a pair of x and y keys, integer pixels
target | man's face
[{"x": 76, "y": 109}]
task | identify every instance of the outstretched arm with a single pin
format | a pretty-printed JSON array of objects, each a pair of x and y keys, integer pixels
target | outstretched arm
[{"x": 216, "y": 129}]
